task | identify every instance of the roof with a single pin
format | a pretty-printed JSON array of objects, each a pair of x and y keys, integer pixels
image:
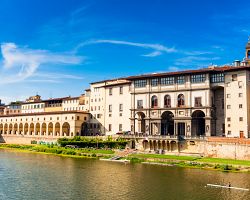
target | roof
[
  {"x": 56, "y": 99},
  {"x": 44, "y": 113},
  {"x": 203, "y": 70},
  {"x": 195, "y": 71}
]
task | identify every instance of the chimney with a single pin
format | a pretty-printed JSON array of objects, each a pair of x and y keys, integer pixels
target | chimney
[{"x": 236, "y": 63}]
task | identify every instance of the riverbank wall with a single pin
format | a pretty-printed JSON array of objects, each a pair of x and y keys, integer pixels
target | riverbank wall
[
  {"x": 214, "y": 147},
  {"x": 20, "y": 139}
]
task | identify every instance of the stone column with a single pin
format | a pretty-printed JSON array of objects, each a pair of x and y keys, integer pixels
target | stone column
[
  {"x": 188, "y": 128},
  {"x": 54, "y": 130},
  {"x": 47, "y": 130},
  {"x": 207, "y": 127},
  {"x": 147, "y": 127},
  {"x": 61, "y": 131}
]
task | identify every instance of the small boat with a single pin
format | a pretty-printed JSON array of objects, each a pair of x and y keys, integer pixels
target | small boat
[{"x": 227, "y": 187}]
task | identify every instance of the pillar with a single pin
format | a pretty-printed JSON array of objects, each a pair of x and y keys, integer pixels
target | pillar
[{"x": 207, "y": 127}]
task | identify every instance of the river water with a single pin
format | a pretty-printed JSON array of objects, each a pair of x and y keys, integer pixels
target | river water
[{"x": 37, "y": 176}]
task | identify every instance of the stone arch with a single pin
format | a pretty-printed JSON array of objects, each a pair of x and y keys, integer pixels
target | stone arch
[
  {"x": 57, "y": 129},
  {"x": 167, "y": 123},
  {"x": 173, "y": 145},
  {"x": 154, "y": 101},
  {"x": 84, "y": 129},
  {"x": 151, "y": 145},
  {"x": 50, "y": 128},
  {"x": 1, "y": 128},
  {"x": 66, "y": 129},
  {"x": 198, "y": 123},
  {"x": 5, "y": 128},
  {"x": 10, "y": 128},
  {"x": 167, "y": 101},
  {"x": 37, "y": 129},
  {"x": 43, "y": 129},
  {"x": 15, "y": 128},
  {"x": 164, "y": 146},
  {"x": 180, "y": 100},
  {"x": 154, "y": 145},
  {"x": 140, "y": 122},
  {"x": 20, "y": 128},
  {"x": 26, "y": 128},
  {"x": 32, "y": 129},
  {"x": 145, "y": 144}
]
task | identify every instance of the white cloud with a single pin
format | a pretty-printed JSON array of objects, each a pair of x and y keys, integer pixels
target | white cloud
[
  {"x": 195, "y": 60},
  {"x": 20, "y": 63},
  {"x": 153, "y": 54},
  {"x": 158, "y": 48}
]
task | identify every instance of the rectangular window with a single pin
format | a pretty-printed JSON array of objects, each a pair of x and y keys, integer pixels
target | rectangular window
[
  {"x": 240, "y": 84},
  {"x": 228, "y": 95},
  {"x": 110, "y": 91},
  {"x": 120, "y": 127},
  {"x": 98, "y": 116},
  {"x": 167, "y": 81},
  {"x": 110, "y": 108},
  {"x": 240, "y": 95},
  {"x": 240, "y": 119},
  {"x": 120, "y": 107},
  {"x": 229, "y": 132},
  {"x": 234, "y": 77},
  {"x": 228, "y": 106},
  {"x": 197, "y": 102},
  {"x": 154, "y": 82},
  {"x": 110, "y": 127},
  {"x": 217, "y": 78},
  {"x": 140, "y": 83},
  {"x": 229, "y": 125},
  {"x": 229, "y": 119},
  {"x": 240, "y": 106},
  {"x": 198, "y": 78},
  {"x": 121, "y": 90},
  {"x": 180, "y": 80},
  {"x": 139, "y": 104}
]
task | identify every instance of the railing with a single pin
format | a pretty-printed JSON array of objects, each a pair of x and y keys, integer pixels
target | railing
[{"x": 146, "y": 136}]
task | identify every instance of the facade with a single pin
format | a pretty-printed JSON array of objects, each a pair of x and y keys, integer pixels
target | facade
[
  {"x": 213, "y": 101},
  {"x": 54, "y": 124}
]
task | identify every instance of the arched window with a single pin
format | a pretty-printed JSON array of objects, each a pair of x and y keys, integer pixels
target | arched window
[
  {"x": 154, "y": 101},
  {"x": 181, "y": 100},
  {"x": 167, "y": 101}
]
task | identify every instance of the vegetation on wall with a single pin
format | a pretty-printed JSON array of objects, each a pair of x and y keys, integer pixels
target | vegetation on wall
[{"x": 84, "y": 142}]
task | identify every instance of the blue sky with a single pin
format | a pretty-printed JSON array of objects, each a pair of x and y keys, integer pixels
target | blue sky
[{"x": 56, "y": 48}]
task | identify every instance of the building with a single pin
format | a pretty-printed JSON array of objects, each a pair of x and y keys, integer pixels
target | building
[{"x": 213, "y": 101}]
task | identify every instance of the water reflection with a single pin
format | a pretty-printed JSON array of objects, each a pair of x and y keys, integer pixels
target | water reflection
[{"x": 37, "y": 176}]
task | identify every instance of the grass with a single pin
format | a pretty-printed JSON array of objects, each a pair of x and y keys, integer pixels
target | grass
[
  {"x": 169, "y": 157},
  {"x": 52, "y": 149},
  {"x": 225, "y": 161},
  {"x": 193, "y": 158}
]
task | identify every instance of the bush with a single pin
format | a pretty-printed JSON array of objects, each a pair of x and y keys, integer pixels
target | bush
[{"x": 94, "y": 143}]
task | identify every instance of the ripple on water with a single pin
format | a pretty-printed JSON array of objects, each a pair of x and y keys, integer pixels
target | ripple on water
[{"x": 36, "y": 176}]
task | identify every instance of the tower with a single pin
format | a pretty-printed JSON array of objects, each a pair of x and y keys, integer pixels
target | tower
[{"x": 248, "y": 51}]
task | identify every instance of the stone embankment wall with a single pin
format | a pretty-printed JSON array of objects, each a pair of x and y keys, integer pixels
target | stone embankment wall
[
  {"x": 233, "y": 148},
  {"x": 216, "y": 147},
  {"x": 25, "y": 140}
]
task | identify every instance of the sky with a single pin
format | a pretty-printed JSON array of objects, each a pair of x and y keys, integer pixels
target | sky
[{"x": 56, "y": 48}]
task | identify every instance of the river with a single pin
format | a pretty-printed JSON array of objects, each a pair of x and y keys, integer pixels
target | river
[{"x": 38, "y": 176}]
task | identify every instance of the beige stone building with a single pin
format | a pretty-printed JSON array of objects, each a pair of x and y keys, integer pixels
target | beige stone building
[
  {"x": 53, "y": 124},
  {"x": 213, "y": 101}
]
